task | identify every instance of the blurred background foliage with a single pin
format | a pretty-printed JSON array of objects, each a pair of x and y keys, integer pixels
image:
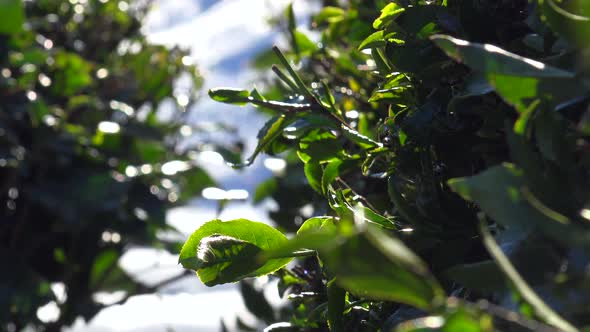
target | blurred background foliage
[{"x": 91, "y": 117}]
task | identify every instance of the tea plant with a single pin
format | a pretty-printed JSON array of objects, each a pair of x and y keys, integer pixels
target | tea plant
[{"x": 446, "y": 143}]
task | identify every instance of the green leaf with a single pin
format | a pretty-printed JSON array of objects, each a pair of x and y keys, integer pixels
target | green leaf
[
  {"x": 381, "y": 61},
  {"x": 320, "y": 149},
  {"x": 107, "y": 275},
  {"x": 331, "y": 172},
  {"x": 330, "y": 14},
  {"x": 272, "y": 129},
  {"x": 313, "y": 172},
  {"x": 287, "y": 279},
  {"x": 501, "y": 193},
  {"x": 265, "y": 189},
  {"x": 290, "y": 14},
  {"x": 522, "y": 92},
  {"x": 368, "y": 215},
  {"x": 72, "y": 73},
  {"x": 246, "y": 236},
  {"x": 264, "y": 60},
  {"x": 230, "y": 95},
  {"x": 376, "y": 266},
  {"x": 518, "y": 80},
  {"x": 316, "y": 224},
  {"x": 489, "y": 58},
  {"x": 452, "y": 322},
  {"x": 376, "y": 39},
  {"x": 569, "y": 19},
  {"x": 362, "y": 213},
  {"x": 398, "y": 94},
  {"x": 395, "y": 80},
  {"x": 427, "y": 31},
  {"x": 314, "y": 233},
  {"x": 368, "y": 263},
  {"x": 461, "y": 321},
  {"x": 362, "y": 140},
  {"x": 221, "y": 259},
  {"x": 302, "y": 88},
  {"x": 256, "y": 302},
  {"x": 388, "y": 14},
  {"x": 283, "y": 77},
  {"x": 12, "y": 16},
  {"x": 529, "y": 295},
  {"x": 553, "y": 139},
  {"x": 306, "y": 46},
  {"x": 256, "y": 95}
]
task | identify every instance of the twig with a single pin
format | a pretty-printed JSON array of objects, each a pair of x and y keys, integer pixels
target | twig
[
  {"x": 280, "y": 106},
  {"x": 355, "y": 193},
  {"x": 140, "y": 289}
]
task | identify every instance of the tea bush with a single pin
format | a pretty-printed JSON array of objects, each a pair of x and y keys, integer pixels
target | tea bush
[
  {"x": 90, "y": 121},
  {"x": 446, "y": 146}
]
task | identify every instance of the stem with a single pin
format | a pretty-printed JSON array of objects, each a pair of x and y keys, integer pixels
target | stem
[
  {"x": 302, "y": 88},
  {"x": 528, "y": 294},
  {"x": 285, "y": 78},
  {"x": 361, "y": 197},
  {"x": 301, "y": 253},
  {"x": 140, "y": 289},
  {"x": 510, "y": 317},
  {"x": 280, "y": 106},
  {"x": 355, "y": 303}
]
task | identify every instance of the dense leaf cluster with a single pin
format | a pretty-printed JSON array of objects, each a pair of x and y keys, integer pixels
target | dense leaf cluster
[
  {"x": 447, "y": 146},
  {"x": 90, "y": 118}
]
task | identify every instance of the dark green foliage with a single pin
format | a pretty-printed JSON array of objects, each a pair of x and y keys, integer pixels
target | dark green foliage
[
  {"x": 449, "y": 166},
  {"x": 86, "y": 167}
]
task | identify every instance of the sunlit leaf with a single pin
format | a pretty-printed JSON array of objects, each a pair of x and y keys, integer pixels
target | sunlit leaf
[
  {"x": 221, "y": 259},
  {"x": 492, "y": 59},
  {"x": 331, "y": 173},
  {"x": 362, "y": 140},
  {"x": 316, "y": 224},
  {"x": 230, "y": 95},
  {"x": 388, "y": 14},
  {"x": 247, "y": 238},
  {"x": 320, "y": 149},
  {"x": 374, "y": 40},
  {"x": 519, "y": 80}
]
